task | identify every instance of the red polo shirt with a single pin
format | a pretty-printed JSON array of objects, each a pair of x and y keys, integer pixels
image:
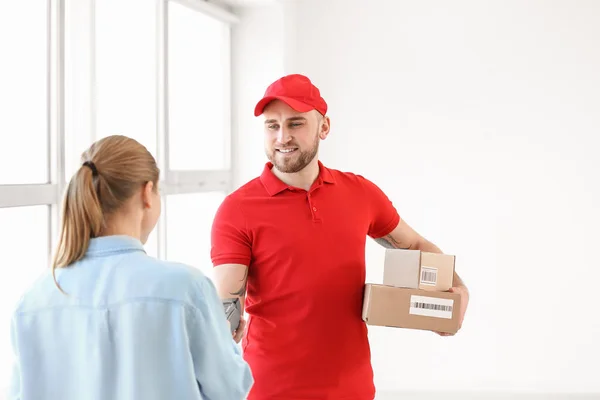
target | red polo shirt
[{"x": 305, "y": 250}]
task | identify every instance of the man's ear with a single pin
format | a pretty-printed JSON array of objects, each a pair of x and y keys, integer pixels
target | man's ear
[
  {"x": 147, "y": 192},
  {"x": 324, "y": 127}
]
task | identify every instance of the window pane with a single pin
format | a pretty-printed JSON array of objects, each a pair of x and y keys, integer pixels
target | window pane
[
  {"x": 151, "y": 245},
  {"x": 23, "y": 91},
  {"x": 78, "y": 82},
  {"x": 198, "y": 90},
  {"x": 126, "y": 70},
  {"x": 189, "y": 221},
  {"x": 25, "y": 254}
]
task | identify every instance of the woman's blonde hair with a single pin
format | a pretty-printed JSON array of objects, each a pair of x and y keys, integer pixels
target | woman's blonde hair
[{"x": 113, "y": 169}]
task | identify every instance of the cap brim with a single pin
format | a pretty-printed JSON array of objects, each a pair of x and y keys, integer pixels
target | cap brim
[{"x": 295, "y": 104}]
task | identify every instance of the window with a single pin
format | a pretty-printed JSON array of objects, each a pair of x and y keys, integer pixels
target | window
[
  {"x": 151, "y": 245},
  {"x": 24, "y": 157},
  {"x": 189, "y": 221},
  {"x": 126, "y": 70},
  {"x": 23, "y": 93},
  {"x": 198, "y": 90},
  {"x": 25, "y": 255},
  {"x": 78, "y": 85},
  {"x": 109, "y": 76}
]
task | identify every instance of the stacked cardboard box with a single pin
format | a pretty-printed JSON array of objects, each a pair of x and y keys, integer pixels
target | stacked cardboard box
[{"x": 414, "y": 293}]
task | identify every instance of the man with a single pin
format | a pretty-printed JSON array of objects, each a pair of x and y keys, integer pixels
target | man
[{"x": 293, "y": 242}]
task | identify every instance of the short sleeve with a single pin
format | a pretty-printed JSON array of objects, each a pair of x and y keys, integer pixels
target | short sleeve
[
  {"x": 230, "y": 241},
  {"x": 382, "y": 214}
]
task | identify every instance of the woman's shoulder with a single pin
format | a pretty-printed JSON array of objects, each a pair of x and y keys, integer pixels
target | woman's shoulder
[
  {"x": 171, "y": 270},
  {"x": 173, "y": 279},
  {"x": 26, "y": 298}
]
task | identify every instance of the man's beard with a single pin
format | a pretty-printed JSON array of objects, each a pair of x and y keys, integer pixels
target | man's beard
[{"x": 297, "y": 162}]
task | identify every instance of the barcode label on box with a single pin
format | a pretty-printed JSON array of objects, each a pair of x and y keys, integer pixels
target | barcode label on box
[
  {"x": 429, "y": 276},
  {"x": 431, "y": 306}
]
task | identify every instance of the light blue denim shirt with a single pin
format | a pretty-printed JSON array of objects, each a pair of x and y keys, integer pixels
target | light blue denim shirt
[{"x": 130, "y": 327}]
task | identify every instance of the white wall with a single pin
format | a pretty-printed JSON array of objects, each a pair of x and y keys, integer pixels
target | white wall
[
  {"x": 479, "y": 119},
  {"x": 257, "y": 49}
]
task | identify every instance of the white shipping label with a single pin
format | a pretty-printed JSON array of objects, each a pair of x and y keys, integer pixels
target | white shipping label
[
  {"x": 431, "y": 306},
  {"x": 429, "y": 275}
]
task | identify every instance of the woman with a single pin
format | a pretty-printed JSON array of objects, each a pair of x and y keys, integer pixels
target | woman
[{"x": 108, "y": 322}]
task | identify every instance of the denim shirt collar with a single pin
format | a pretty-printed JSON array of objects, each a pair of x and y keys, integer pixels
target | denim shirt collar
[{"x": 105, "y": 245}]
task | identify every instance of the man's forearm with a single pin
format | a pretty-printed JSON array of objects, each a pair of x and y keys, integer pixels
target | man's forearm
[
  {"x": 426, "y": 245},
  {"x": 230, "y": 281},
  {"x": 422, "y": 244}
]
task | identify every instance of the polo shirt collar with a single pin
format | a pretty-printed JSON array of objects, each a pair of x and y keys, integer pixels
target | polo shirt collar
[
  {"x": 105, "y": 245},
  {"x": 274, "y": 185}
]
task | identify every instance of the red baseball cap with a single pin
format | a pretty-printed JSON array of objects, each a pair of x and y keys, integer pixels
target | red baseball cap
[{"x": 297, "y": 91}]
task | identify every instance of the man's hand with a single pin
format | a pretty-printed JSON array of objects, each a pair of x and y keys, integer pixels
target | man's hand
[
  {"x": 464, "y": 302},
  {"x": 239, "y": 332}
]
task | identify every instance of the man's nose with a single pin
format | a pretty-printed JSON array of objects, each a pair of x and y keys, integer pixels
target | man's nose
[{"x": 283, "y": 136}]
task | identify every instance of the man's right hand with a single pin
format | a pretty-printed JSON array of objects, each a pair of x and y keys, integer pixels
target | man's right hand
[{"x": 239, "y": 332}]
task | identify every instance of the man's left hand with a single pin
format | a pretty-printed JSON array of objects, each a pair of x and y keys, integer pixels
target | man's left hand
[{"x": 464, "y": 302}]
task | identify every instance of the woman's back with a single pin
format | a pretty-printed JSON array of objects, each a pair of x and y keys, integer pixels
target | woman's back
[
  {"x": 110, "y": 323},
  {"x": 123, "y": 330}
]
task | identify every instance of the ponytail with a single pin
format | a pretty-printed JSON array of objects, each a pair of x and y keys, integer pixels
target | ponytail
[
  {"x": 82, "y": 219},
  {"x": 94, "y": 192}
]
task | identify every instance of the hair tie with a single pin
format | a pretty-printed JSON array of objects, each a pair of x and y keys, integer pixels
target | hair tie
[{"x": 91, "y": 166}]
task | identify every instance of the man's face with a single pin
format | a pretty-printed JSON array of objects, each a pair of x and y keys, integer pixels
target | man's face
[{"x": 292, "y": 138}]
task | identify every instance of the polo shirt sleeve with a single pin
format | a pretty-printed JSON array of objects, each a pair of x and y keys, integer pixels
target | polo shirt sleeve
[
  {"x": 230, "y": 241},
  {"x": 383, "y": 216}
]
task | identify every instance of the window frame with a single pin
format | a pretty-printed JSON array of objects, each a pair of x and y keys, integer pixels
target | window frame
[{"x": 172, "y": 182}]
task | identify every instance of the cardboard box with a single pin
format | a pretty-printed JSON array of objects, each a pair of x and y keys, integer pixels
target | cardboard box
[
  {"x": 411, "y": 308},
  {"x": 417, "y": 269}
]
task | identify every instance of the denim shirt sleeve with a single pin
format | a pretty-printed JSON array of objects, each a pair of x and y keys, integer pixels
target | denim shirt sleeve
[{"x": 221, "y": 372}]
